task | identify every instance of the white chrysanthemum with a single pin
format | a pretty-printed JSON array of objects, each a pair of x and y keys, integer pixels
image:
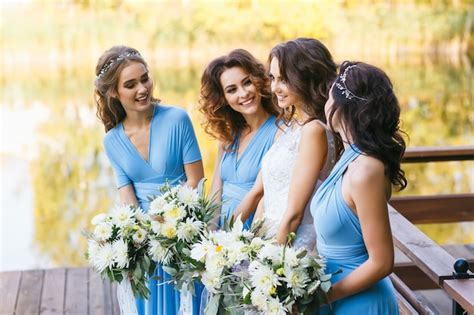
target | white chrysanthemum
[
  {"x": 235, "y": 253},
  {"x": 211, "y": 279},
  {"x": 297, "y": 280},
  {"x": 158, "y": 253},
  {"x": 200, "y": 250},
  {"x": 187, "y": 230},
  {"x": 92, "y": 250},
  {"x": 120, "y": 253},
  {"x": 173, "y": 213},
  {"x": 99, "y": 219},
  {"x": 291, "y": 258},
  {"x": 139, "y": 236},
  {"x": 104, "y": 257},
  {"x": 103, "y": 231},
  {"x": 259, "y": 300},
  {"x": 256, "y": 244},
  {"x": 275, "y": 307},
  {"x": 262, "y": 277},
  {"x": 272, "y": 252},
  {"x": 156, "y": 227},
  {"x": 141, "y": 216},
  {"x": 123, "y": 216},
  {"x": 157, "y": 205},
  {"x": 168, "y": 230},
  {"x": 188, "y": 195}
]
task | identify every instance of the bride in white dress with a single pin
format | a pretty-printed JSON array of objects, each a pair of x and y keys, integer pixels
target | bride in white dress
[{"x": 303, "y": 155}]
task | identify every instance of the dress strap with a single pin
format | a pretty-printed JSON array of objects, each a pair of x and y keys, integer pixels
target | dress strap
[{"x": 349, "y": 155}]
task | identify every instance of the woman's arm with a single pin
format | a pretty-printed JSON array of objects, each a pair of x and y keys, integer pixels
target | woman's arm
[
  {"x": 127, "y": 195},
  {"x": 365, "y": 189},
  {"x": 216, "y": 184},
  {"x": 312, "y": 156},
  {"x": 260, "y": 210},
  {"x": 250, "y": 202},
  {"x": 194, "y": 173}
]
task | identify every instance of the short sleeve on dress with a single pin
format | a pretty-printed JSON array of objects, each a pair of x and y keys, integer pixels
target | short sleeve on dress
[
  {"x": 121, "y": 177},
  {"x": 190, "y": 145}
]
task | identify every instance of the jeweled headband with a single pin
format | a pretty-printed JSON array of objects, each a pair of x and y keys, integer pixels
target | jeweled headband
[
  {"x": 109, "y": 64},
  {"x": 343, "y": 87}
]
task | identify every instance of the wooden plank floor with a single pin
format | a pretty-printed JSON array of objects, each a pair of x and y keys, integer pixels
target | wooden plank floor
[
  {"x": 82, "y": 291},
  {"x": 56, "y": 291}
]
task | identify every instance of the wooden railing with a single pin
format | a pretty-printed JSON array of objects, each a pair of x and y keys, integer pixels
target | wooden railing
[{"x": 433, "y": 260}]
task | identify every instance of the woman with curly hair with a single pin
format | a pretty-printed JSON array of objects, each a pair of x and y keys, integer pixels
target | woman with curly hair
[
  {"x": 237, "y": 105},
  {"x": 350, "y": 208},
  {"x": 148, "y": 144},
  {"x": 301, "y": 71}
]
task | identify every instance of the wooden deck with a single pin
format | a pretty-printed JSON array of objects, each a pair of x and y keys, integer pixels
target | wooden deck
[
  {"x": 82, "y": 291},
  {"x": 56, "y": 291}
]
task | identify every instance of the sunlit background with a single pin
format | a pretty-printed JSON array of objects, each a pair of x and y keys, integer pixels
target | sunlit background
[{"x": 55, "y": 175}]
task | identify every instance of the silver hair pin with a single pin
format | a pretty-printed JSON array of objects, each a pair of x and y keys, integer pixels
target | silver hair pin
[
  {"x": 109, "y": 64},
  {"x": 343, "y": 87}
]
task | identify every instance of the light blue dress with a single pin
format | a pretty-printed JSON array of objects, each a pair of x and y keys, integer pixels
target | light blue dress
[
  {"x": 239, "y": 175},
  {"x": 340, "y": 241},
  {"x": 172, "y": 144}
]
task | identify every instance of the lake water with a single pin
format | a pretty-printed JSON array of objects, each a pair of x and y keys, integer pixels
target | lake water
[{"x": 55, "y": 175}]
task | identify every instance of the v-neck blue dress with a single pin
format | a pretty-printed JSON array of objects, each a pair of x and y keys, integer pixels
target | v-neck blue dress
[
  {"x": 172, "y": 144},
  {"x": 238, "y": 174},
  {"x": 340, "y": 241}
]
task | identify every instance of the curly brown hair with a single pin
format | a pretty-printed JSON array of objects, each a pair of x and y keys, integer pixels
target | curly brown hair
[
  {"x": 222, "y": 122},
  {"x": 308, "y": 68},
  {"x": 109, "y": 109}
]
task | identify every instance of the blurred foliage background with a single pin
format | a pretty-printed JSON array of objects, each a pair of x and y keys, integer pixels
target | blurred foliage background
[{"x": 51, "y": 137}]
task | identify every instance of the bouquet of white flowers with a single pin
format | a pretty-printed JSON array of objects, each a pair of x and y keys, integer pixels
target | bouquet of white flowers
[
  {"x": 118, "y": 250},
  {"x": 222, "y": 260},
  {"x": 283, "y": 280},
  {"x": 179, "y": 217}
]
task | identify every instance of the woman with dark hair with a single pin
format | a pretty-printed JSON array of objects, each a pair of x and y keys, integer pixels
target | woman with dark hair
[
  {"x": 236, "y": 101},
  {"x": 350, "y": 208},
  {"x": 301, "y": 72},
  {"x": 148, "y": 144}
]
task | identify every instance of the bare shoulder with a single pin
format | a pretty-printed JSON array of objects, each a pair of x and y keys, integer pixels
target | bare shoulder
[
  {"x": 366, "y": 171},
  {"x": 313, "y": 128}
]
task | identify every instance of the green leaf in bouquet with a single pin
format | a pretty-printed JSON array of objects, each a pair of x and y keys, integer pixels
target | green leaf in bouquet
[
  {"x": 146, "y": 263},
  {"x": 118, "y": 276},
  {"x": 213, "y": 307},
  {"x": 138, "y": 272},
  {"x": 247, "y": 299},
  {"x": 307, "y": 299},
  {"x": 152, "y": 268},
  {"x": 170, "y": 270},
  {"x": 313, "y": 287},
  {"x": 302, "y": 254}
]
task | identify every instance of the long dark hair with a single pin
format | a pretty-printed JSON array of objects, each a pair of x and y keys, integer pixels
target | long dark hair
[
  {"x": 365, "y": 103},
  {"x": 222, "y": 122},
  {"x": 308, "y": 68},
  {"x": 109, "y": 109}
]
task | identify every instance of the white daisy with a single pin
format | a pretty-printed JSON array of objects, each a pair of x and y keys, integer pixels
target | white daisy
[
  {"x": 120, "y": 249},
  {"x": 188, "y": 195},
  {"x": 103, "y": 231},
  {"x": 99, "y": 219}
]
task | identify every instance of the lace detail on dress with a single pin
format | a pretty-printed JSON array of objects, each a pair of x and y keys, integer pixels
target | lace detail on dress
[{"x": 277, "y": 169}]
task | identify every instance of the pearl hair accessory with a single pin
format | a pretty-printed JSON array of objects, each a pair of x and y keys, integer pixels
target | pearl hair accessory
[{"x": 109, "y": 64}]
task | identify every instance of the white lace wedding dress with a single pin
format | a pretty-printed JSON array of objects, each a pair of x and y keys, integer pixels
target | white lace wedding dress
[{"x": 277, "y": 169}]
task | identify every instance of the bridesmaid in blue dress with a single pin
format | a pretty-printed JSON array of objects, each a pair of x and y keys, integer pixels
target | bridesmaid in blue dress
[
  {"x": 236, "y": 101},
  {"x": 147, "y": 144},
  {"x": 350, "y": 208}
]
